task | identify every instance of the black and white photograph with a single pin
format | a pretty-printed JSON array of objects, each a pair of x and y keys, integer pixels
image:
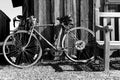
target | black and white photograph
[{"x": 60, "y": 40}]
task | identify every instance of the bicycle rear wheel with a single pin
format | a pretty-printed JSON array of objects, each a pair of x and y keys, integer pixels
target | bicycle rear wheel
[
  {"x": 79, "y": 45},
  {"x": 15, "y": 54}
]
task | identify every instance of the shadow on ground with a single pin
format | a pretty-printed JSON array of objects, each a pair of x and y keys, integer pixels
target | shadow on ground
[
  {"x": 66, "y": 65},
  {"x": 3, "y": 61}
]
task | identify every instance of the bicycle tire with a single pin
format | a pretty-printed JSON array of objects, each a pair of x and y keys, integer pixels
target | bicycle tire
[
  {"x": 14, "y": 53},
  {"x": 81, "y": 46}
]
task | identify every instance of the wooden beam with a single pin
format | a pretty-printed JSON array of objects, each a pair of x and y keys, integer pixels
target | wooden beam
[
  {"x": 109, "y": 14},
  {"x": 114, "y": 45}
]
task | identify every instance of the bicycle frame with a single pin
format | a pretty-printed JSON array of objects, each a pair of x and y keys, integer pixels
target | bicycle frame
[{"x": 33, "y": 29}]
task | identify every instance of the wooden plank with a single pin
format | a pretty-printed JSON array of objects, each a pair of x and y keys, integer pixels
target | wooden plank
[
  {"x": 84, "y": 18},
  {"x": 43, "y": 13},
  {"x": 114, "y": 45},
  {"x": 109, "y": 14},
  {"x": 68, "y": 7},
  {"x": 84, "y": 13},
  {"x": 97, "y": 4},
  {"x": 114, "y": 1},
  {"x": 119, "y": 28},
  {"x": 75, "y": 12},
  {"x": 97, "y": 22},
  {"x": 113, "y": 29},
  {"x": 98, "y": 35},
  {"x": 115, "y": 59},
  {"x": 56, "y": 9}
]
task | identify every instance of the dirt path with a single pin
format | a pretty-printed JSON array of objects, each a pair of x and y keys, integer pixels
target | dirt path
[{"x": 55, "y": 72}]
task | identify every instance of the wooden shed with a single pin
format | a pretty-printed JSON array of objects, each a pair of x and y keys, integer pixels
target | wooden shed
[{"x": 4, "y": 26}]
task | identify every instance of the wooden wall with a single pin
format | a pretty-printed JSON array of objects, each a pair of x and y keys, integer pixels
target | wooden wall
[{"x": 46, "y": 11}]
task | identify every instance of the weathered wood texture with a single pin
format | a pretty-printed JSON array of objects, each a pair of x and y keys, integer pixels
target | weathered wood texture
[
  {"x": 111, "y": 39},
  {"x": 46, "y": 12},
  {"x": 42, "y": 11}
]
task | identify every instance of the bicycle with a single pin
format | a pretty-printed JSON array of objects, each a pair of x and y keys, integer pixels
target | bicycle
[{"x": 23, "y": 48}]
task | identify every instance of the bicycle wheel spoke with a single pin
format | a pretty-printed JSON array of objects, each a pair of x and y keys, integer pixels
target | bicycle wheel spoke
[
  {"x": 29, "y": 58},
  {"x": 12, "y": 53},
  {"x": 29, "y": 53},
  {"x": 24, "y": 59},
  {"x": 32, "y": 51},
  {"x": 18, "y": 59}
]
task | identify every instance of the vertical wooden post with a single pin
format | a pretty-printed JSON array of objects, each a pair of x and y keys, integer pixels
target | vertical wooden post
[
  {"x": 84, "y": 13},
  {"x": 42, "y": 13},
  {"x": 74, "y": 12},
  {"x": 113, "y": 29},
  {"x": 68, "y": 7},
  {"x": 107, "y": 47},
  {"x": 58, "y": 10},
  {"x": 119, "y": 28},
  {"x": 97, "y": 18},
  {"x": 84, "y": 18}
]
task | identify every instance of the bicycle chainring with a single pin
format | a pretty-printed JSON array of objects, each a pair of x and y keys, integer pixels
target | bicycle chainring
[{"x": 80, "y": 45}]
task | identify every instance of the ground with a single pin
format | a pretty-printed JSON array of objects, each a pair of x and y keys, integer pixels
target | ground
[
  {"x": 49, "y": 73},
  {"x": 56, "y": 71}
]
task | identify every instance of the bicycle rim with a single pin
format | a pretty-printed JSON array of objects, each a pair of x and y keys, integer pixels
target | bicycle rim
[{"x": 79, "y": 43}]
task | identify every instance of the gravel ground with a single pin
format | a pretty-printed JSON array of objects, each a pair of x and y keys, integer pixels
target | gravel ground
[{"x": 52, "y": 72}]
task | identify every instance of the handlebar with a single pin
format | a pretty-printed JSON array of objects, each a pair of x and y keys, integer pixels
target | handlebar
[{"x": 65, "y": 20}]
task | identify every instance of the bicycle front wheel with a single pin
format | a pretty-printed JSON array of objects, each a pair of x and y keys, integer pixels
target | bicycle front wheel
[
  {"x": 78, "y": 44},
  {"x": 16, "y": 54}
]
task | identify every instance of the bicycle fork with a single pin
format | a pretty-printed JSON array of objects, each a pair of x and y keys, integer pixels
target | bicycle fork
[{"x": 23, "y": 48}]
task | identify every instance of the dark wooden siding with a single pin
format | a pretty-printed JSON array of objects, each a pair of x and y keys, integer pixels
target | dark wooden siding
[
  {"x": 4, "y": 26},
  {"x": 46, "y": 11}
]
